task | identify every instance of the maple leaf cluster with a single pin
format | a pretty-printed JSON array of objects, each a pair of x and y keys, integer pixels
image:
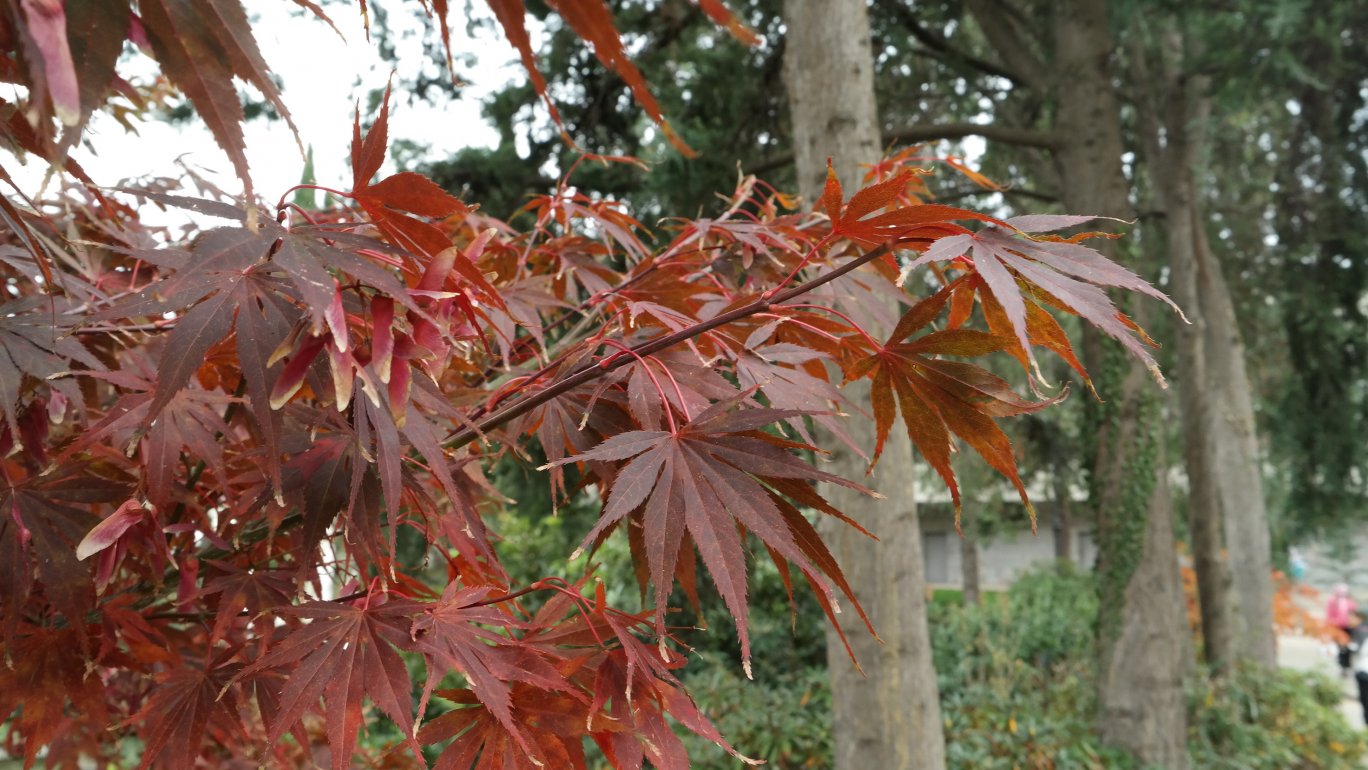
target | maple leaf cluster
[{"x": 209, "y": 445}]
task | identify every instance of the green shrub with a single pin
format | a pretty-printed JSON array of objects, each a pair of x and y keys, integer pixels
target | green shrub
[
  {"x": 1257, "y": 719},
  {"x": 784, "y": 720},
  {"x": 1016, "y": 678}
]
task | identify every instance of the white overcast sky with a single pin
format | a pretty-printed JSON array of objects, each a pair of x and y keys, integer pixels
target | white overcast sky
[{"x": 324, "y": 76}]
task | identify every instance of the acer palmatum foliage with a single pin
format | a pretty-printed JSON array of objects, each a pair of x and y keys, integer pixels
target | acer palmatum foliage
[{"x": 209, "y": 445}]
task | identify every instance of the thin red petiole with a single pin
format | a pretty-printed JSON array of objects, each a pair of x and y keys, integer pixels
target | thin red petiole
[
  {"x": 665, "y": 402},
  {"x": 801, "y": 264},
  {"x": 281, "y": 203},
  {"x": 804, "y": 324},
  {"x": 838, "y": 314}
]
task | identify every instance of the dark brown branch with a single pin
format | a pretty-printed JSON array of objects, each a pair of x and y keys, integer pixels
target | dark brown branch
[
  {"x": 594, "y": 371},
  {"x": 1036, "y": 195},
  {"x": 1001, "y": 25},
  {"x": 1022, "y": 137},
  {"x": 936, "y": 42},
  {"x": 197, "y": 616},
  {"x": 993, "y": 132}
]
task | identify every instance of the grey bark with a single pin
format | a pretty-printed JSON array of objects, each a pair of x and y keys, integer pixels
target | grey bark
[
  {"x": 1144, "y": 709},
  {"x": 969, "y": 556},
  {"x": 1240, "y": 479},
  {"x": 889, "y": 718},
  {"x": 1140, "y": 642},
  {"x": 1227, "y": 511}
]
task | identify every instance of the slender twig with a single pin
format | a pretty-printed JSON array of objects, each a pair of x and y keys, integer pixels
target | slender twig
[
  {"x": 196, "y": 616},
  {"x": 592, "y": 371}
]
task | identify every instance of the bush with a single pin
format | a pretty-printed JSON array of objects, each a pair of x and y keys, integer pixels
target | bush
[
  {"x": 1018, "y": 690},
  {"x": 1016, "y": 679},
  {"x": 1271, "y": 720},
  {"x": 786, "y": 721}
]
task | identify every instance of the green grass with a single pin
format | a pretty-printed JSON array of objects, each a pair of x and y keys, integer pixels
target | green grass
[{"x": 955, "y": 597}]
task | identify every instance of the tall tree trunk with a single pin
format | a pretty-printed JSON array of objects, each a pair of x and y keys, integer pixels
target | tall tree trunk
[
  {"x": 1062, "y": 518},
  {"x": 1144, "y": 707},
  {"x": 1140, "y": 640},
  {"x": 1210, "y": 557},
  {"x": 969, "y": 555},
  {"x": 889, "y": 718},
  {"x": 1238, "y": 462},
  {"x": 1227, "y": 512}
]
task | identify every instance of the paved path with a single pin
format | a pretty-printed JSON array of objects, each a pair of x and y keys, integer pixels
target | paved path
[{"x": 1306, "y": 654}]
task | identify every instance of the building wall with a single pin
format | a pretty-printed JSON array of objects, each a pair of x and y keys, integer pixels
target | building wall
[{"x": 1001, "y": 559}]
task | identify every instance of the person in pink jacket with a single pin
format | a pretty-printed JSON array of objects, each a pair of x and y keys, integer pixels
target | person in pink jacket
[{"x": 1340, "y": 613}]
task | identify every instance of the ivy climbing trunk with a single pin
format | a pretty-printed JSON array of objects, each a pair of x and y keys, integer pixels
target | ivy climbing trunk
[
  {"x": 888, "y": 718},
  {"x": 1141, "y": 631}
]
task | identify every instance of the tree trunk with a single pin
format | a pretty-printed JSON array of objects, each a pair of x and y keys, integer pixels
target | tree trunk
[
  {"x": 969, "y": 556},
  {"x": 1210, "y": 558},
  {"x": 1063, "y": 507},
  {"x": 1230, "y": 539},
  {"x": 1144, "y": 706},
  {"x": 1238, "y": 463},
  {"x": 1140, "y": 640},
  {"x": 889, "y": 718}
]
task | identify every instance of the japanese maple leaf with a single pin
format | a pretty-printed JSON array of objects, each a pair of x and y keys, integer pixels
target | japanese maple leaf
[
  {"x": 455, "y": 633},
  {"x": 671, "y": 379},
  {"x": 187, "y": 703},
  {"x": 253, "y": 590},
  {"x": 638, "y": 704},
  {"x": 35, "y": 347},
  {"x": 343, "y": 653},
  {"x": 224, "y": 283},
  {"x": 633, "y": 683},
  {"x": 1041, "y": 328},
  {"x": 939, "y": 397},
  {"x": 703, "y": 480},
  {"x": 921, "y": 221},
  {"x": 775, "y": 370},
  {"x": 190, "y": 420},
  {"x": 1073, "y": 274},
  {"x": 42, "y": 519},
  {"x": 396, "y": 203},
  {"x": 556, "y": 724},
  {"x": 41, "y": 677},
  {"x": 325, "y": 480},
  {"x": 572, "y": 422},
  {"x": 202, "y": 47}
]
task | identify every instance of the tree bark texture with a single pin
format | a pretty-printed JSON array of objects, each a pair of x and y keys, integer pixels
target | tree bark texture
[
  {"x": 1144, "y": 706},
  {"x": 1140, "y": 640},
  {"x": 1227, "y": 511},
  {"x": 890, "y": 716},
  {"x": 969, "y": 556},
  {"x": 1238, "y": 462},
  {"x": 1210, "y": 558}
]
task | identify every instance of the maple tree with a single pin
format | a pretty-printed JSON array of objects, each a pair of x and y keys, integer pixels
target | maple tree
[{"x": 212, "y": 444}]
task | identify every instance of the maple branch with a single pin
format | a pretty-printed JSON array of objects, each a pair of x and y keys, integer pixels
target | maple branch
[
  {"x": 590, "y": 372},
  {"x": 993, "y": 132},
  {"x": 584, "y": 311},
  {"x": 192, "y": 616},
  {"x": 552, "y": 583}
]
